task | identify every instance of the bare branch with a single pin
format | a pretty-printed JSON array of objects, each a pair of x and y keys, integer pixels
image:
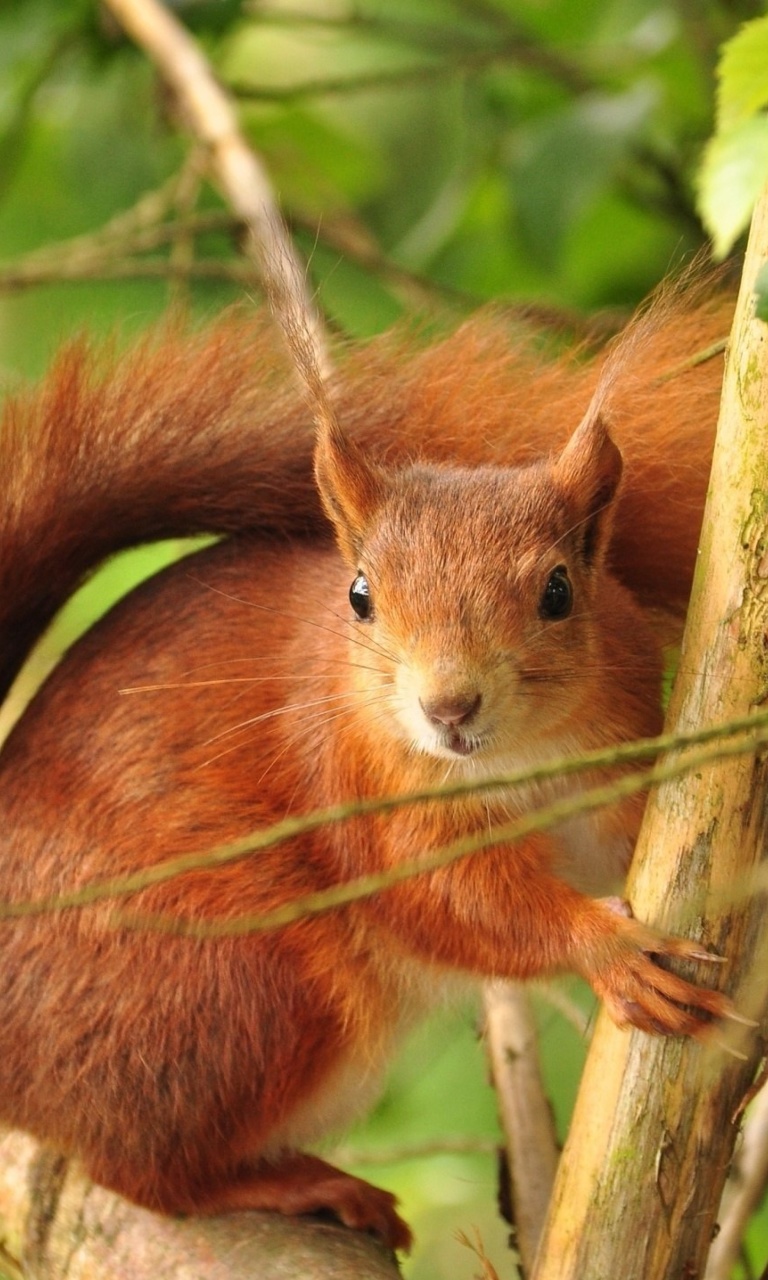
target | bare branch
[
  {"x": 541, "y": 819},
  {"x": 449, "y": 1145},
  {"x": 743, "y": 1194},
  {"x": 29, "y": 274},
  {"x": 633, "y": 1196},
  {"x": 526, "y": 1115},
  {"x": 55, "y": 1224},
  {"x": 242, "y": 179},
  {"x": 553, "y": 994}
]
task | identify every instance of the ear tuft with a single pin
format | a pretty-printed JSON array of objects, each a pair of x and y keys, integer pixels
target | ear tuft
[
  {"x": 588, "y": 471},
  {"x": 350, "y": 487}
]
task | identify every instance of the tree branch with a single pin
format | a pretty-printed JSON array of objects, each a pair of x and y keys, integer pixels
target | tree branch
[
  {"x": 526, "y": 1116},
  {"x": 54, "y": 1225},
  {"x": 238, "y": 173},
  {"x": 641, "y": 1176},
  {"x": 743, "y": 1194},
  {"x": 751, "y": 733}
]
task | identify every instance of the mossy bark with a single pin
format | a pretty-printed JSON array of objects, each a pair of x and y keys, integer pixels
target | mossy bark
[
  {"x": 640, "y": 1180},
  {"x": 55, "y": 1225}
]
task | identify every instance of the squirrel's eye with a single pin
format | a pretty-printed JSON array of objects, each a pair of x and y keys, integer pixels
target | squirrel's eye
[
  {"x": 557, "y": 600},
  {"x": 360, "y": 596}
]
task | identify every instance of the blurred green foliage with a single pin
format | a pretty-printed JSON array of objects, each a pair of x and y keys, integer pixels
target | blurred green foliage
[
  {"x": 735, "y": 167},
  {"x": 427, "y": 152},
  {"x": 429, "y": 155}
]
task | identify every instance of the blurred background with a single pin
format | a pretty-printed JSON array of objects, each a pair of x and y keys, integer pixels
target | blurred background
[{"x": 430, "y": 156}]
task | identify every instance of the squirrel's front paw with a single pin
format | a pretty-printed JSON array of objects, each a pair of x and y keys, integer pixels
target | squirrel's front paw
[{"x": 637, "y": 991}]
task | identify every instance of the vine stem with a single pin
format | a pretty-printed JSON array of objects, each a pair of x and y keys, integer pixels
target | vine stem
[{"x": 749, "y": 734}]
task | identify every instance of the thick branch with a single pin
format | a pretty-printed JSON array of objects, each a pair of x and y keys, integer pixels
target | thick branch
[
  {"x": 653, "y": 1133},
  {"x": 54, "y": 1224}
]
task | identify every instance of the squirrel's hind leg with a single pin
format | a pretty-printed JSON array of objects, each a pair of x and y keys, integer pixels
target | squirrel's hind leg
[{"x": 294, "y": 1183}]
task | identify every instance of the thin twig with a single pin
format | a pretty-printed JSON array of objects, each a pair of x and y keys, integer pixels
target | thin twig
[
  {"x": 366, "y": 886},
  {"x": 28, "y": 276},
  {"x": 238, "y": 172},
  {"x": 743, "y": 1193},
  {"x": 463, "y": 64},
  {"x": 477, "y": 1247},
  {"x": 182, "y": 243},
  {"x": 542, "y": 819},
  {"x": 526, "y": 1115},
  {"x": 149, "y": 211},
  {"x": 693, "y": 361},
  {"x": 108, "y": 254},
  {"x": 512, "y": 43}
]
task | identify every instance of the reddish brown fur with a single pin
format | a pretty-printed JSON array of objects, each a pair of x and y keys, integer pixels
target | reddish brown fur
[
  {"x": 186, "y": 1073},
  {"x": 211, "y": 433}
]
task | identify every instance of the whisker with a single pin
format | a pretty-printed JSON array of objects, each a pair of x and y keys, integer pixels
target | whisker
[
  {"x": 350, "y": 695},
  {"x": 533, "y": 674},
  {"x": 375, "y": 645},
  {"x": 446, "y": 776},
  {"x": 553, "y": 546},
  {"x": 309, "y": 724},
  {"x": 213, "y": 682},
  {"x": 281, "y": 613},
  {"x": 313, "y": 726},
  {"x": 544, "y": 627}
]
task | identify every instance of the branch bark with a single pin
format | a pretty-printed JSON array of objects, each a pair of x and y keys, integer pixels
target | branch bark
[
  {"x": 55, "y": 1225},
  {"x": 745, "y": 1190},
  {"x": 237, "y": 171},
  {"x": 525, "y": 1112},
  {"x": 642, "y": 1173}
]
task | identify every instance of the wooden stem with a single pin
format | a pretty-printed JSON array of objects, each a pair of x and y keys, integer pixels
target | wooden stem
[
  {"x": 642, "y": 1173},
  {"x": 242, "y": 179},
  {"x": 55, "y": 1225},
  {"x": 526, "y": 1116}
]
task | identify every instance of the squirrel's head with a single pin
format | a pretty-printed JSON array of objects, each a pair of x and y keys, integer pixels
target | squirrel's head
[{"x": 474, "y": 591}]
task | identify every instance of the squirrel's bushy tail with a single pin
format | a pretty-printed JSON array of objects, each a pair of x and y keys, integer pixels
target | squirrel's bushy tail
[
  {"x": 182, "y": 434},
  {"x": 210, "y": 432}
]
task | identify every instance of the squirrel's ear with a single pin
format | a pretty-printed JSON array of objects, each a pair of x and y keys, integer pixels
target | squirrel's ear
[
  {"x": 588, "y": 472},
  {"x": 350, "y": 487}
]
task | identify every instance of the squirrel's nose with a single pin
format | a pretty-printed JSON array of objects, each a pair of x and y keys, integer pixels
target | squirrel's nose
[{"x": 452, "y": 711}]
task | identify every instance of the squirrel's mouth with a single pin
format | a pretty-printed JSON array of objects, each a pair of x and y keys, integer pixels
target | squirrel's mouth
[{"x": 460, "y": 744}]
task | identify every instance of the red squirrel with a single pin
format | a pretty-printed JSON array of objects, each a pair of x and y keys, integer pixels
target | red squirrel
[{"x": 485, "y": 606}]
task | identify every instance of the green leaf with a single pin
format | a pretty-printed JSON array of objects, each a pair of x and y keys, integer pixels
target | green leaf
[
  {"x": 761, "y": 294},
  {"x": 743, "y": 75},
  {"x": 567, "y": 161},
  {"x": 733, "y": 174}
]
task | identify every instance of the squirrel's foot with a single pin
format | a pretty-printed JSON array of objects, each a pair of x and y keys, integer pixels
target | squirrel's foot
[
  {"x": 294, "y": 1183},
  {"x": 637, "y": 991}
]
